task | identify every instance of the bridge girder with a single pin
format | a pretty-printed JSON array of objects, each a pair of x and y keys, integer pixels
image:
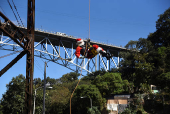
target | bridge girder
[{"x": 62, "y": 55}]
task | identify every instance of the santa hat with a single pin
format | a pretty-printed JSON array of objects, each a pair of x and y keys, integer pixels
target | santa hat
[{"x": 79, "y": 41}]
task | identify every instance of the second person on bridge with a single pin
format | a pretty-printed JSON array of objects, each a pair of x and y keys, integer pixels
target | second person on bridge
[{"x": 90, "y": 52}]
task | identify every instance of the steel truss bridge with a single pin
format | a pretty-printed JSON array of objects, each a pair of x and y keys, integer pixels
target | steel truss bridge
[
  {"x": 53, "y": 47},
  {"x": 60, "y": 49}
]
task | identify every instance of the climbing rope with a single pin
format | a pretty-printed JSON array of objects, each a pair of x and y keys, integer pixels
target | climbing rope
[
  {"x": 76, "y": 85},
  {"x": 87, "y": 44},
  {"x": 89, "y": 19}
]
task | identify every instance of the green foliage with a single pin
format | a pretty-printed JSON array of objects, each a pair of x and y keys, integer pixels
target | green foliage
[
  {"x": 143, "y": 69},
  {"x": 69, "y": 77},
  {"x": 58, "y": 100},
  {"x": 132, "y": 109},
  {"x": 1, "y": 107},
  {"x": 164, "y": 62},
  {"x": 131, "y": 45},
  {"x": 13, "y": 100},
  {"x": 137, "y": 67},
  {"x": 93, "y": 75},
  {"x": 109, "y": 83},
  {"x": 162, "y": 35},
  {"x": 128, "y": 87},
  {"x": 144, "y": 45},
  {"x": 87, "y": 92},
  {"x": 129, "y": 111},
  {"x": 145, "y": 88},
  {"x": 38, "y": 82},
  {"x": 153, "y": 103},
  {"x": 93, "y": 110},
  {"x": 164, "y": 80}
]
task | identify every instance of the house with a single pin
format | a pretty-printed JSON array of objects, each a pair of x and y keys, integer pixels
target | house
[
  {"x": 117, "y": 103},
  {"x": 155, "y": 89}
]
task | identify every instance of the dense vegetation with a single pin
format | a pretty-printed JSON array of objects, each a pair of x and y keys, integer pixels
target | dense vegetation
[{"x": 146, "y": 63}]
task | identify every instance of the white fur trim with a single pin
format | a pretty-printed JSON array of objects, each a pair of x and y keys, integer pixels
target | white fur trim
[
  {"x": 81, "y": 44},
  {"x": 98, "y": 49}
]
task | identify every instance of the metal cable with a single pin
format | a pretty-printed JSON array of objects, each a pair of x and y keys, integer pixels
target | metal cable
[
  {"x": 10, "y": 54},
  {"x": 17, "y": 13},
  {"x": 13, "y": 13}
]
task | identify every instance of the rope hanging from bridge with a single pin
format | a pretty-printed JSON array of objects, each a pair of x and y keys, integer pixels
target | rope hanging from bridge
[{"x": 87, "y": 44}]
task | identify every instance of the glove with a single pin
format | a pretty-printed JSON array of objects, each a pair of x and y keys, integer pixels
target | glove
[{"x": 81, "y": 57}]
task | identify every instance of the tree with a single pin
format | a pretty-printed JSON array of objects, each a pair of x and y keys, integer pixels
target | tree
[
  {"x": 81, "y": 105},
  {"x": 93, "y": 75},
  {"x": 109, "y": 83},
  {"x": 143, "y": 69},
  {"x": 93, "y": 110},
  {"x": 58, "y": 100},
  {"x": 127, "y": 64},
  {"x": 162, "y": 35},
  {"x": 69, "y": 77},
  {"x": 38, "y": 82},
  {"x": 1, "y": 107},
  {"x": 14, "y": 98},
  {"x": 164, "y": 80},
  {"x": 131, "y": 45}
]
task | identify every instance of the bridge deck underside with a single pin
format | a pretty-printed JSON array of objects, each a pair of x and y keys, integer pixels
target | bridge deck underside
[{"x": 39, "y": 35}]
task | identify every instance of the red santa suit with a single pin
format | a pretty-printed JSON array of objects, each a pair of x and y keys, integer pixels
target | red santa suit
[{"x": 92, "y": 51}]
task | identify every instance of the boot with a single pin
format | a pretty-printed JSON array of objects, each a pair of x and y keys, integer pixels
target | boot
[
  {"x": 103, "y": 53},
  {"x": 107, "y": 55}
]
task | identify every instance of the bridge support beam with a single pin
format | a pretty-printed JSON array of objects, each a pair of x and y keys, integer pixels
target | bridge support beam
[
  {"x": 12, "y": 63},
  {"x": 95, "y": 63},
  {"x": 118, "y": 60},
  {"x": 30, "y": 57}
]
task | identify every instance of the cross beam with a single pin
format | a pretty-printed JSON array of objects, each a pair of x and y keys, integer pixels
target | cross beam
[{"x": 11, "y": 30}]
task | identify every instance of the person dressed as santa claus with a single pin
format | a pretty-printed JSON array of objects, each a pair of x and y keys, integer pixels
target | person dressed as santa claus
[{"x": 92, "y": 51}]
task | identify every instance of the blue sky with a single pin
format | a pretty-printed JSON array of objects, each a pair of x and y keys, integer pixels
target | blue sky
[{"x": 112, "y": 21}]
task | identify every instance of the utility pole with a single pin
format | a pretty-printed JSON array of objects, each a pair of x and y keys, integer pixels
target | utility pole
[{"x": 44, "y": 87}]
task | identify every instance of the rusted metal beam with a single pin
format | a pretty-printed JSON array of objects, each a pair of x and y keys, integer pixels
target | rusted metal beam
[
  {"x": 12, "y": 62},
  {"x": 30, "y": 57},
  {"x": 11, "y": 30}
]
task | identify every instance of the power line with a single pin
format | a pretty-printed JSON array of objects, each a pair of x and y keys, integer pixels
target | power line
[
  {"x": 93, "y": 19},
  {"x": 39, "y": 69},
  {"x": 39, "y": 65},
  {"x": 10, "y": 54},
  {"x": 17, "y": 13},
  {"x": 13, "y": 12}
]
